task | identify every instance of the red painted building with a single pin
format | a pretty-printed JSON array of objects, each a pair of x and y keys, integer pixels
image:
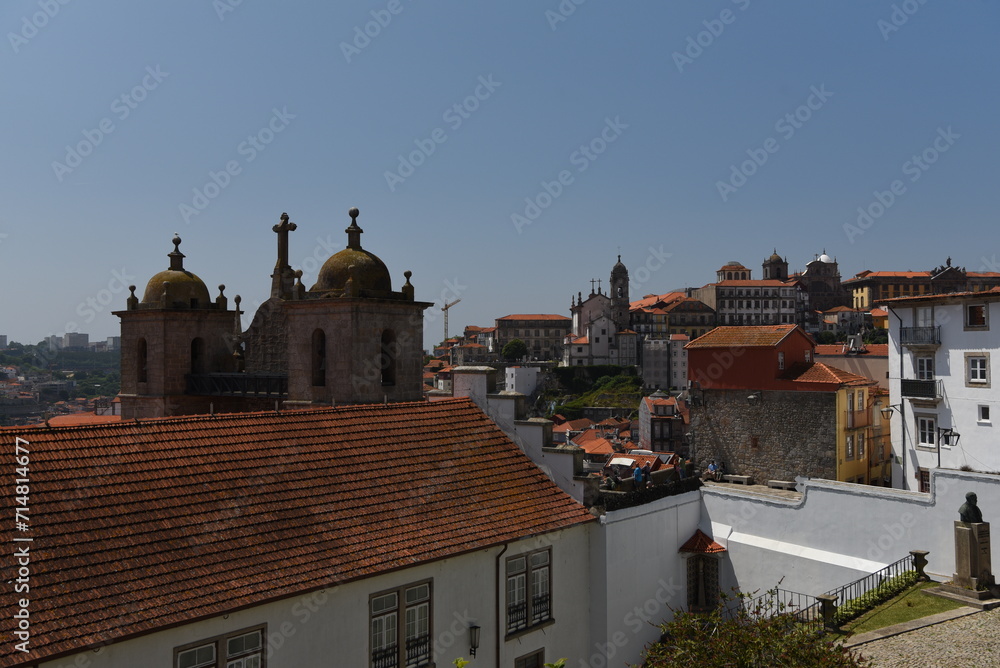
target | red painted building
[{"x": 749, "y": 357}]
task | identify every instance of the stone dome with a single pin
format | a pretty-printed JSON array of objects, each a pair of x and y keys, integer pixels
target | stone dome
[
  {"x": 369, "y": 272},
  {"x": 825, "y": 258},
  {"x": 619, "y": 268},
  {"x": 184, "y": 289},
  {"x": 774, "y": 256}
]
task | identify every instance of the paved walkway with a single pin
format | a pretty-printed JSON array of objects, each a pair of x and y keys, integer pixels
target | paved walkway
[{"x": 968, "y": 641}]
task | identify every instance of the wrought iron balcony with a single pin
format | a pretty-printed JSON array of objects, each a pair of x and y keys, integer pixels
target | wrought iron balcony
[
  {"x": 920, "y": 336},
  {"x": 237, "y": 385},
  {"x": 920, "y": 389}
]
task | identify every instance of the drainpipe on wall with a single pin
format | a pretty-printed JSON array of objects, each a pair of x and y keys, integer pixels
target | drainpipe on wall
[
  {"x": 902, "y": 404},
  {"x": 498, "y": 607}
]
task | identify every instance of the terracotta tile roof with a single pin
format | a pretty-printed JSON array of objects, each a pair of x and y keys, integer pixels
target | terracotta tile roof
[
  {"x": 680, "y": 337},
  {"x": 651, "y": 300},
  {"x": 573, "y": 425},
  {"x": 748, "y": 336},
  {"x": 879, "y": 312},
  {"x": 139, "y": 526},
  {"x": 992, "y": 293},
  {"x": 733, "y": 267},
  {"x": 74, "y": 419},
  {"x": 701, "y": 543},
  {"x": 756, "y": 283},
  {"x": 889, "y": 274},
  {"x": 534, "y": 316},
  {"x": 818, "y": 372},
  {"x": 595, "y": 446}
]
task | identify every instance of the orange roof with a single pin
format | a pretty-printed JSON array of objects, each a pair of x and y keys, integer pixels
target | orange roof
[
  {"x": 756, "y": 283},
  {"x": 818, "y": 372},
  {"x": 573, "y": 425},
  {"x": 74, "y": 419},
  {"x": 992, "y": 292},
  {"x": 180, "y": 519},
  {"x": 595, "y": 446},
  {"x": 840, "y": 309},
  {"x": 701, "y": 543},
  {"x": 735, "y": 266},
  {"x": 534, "y": 316},
  {"x": 748, "y": 336},
  {"x": 680, "y": 337},
  {"x": 652, "y": 300},
  {"x": 889, "y": 274},
  {"x": 879, "y": 313}
]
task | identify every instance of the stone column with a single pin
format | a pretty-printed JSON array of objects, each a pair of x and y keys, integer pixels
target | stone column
[{"x": 973, "y": 568}]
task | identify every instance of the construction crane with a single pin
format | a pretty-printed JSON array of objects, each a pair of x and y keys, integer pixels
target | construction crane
[{"x": 445, "y": 309}]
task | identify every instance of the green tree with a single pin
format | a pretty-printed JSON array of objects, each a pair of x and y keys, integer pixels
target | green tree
[
  {"x": 756, "y": 635},
  {"x": 514, "y": 350}
]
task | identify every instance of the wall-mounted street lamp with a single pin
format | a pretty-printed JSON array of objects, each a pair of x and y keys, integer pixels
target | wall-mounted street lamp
[
  {"x": 889, "y": 410},
  {"x": 473, "y": 639},
  {"x": 755, "y": 399},
  {"x": 948, "y": 436}
]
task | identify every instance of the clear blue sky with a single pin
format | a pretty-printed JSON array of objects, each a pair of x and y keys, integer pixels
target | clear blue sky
[{"x": 200, "y": 78}]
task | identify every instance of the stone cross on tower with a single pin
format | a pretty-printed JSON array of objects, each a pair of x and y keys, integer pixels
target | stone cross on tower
[
  {"x": 592, "y": 281},
  {"x": 283, "y": 276}
]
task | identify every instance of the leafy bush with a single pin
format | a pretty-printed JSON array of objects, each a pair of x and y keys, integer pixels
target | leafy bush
[
  {"x": 880, "y": 594},
  {"x": 758, "y": 633}
]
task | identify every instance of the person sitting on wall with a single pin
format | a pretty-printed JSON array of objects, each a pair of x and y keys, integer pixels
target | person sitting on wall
[
  {"x": 720, "y": 471},
  {"x": 709, "y": 473}
]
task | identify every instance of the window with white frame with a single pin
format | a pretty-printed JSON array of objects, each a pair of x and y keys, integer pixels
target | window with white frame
[
  {"x": 401, "y": 627},
  {"x": 850, "y": 447},
  {"x": 984, "y": 413},
  {"x": 528, "y": 590},
  {"x": 977, "y": 369},
  {"x": 976, "y": 316},
  {"x": 926, "y": 431},
  {"x": 242, "y": 649},
  {"x": 925, "y": 368}
]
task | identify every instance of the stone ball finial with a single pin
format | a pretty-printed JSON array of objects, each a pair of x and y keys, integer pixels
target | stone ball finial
[
  {"x": 131, "y": 289},
  {"x": 176, "y": 241},
  {"x": 237, "y": 299},
  {"x": 222, "y": 288},
  {"x": 407, "y": 274},
  {"x": 353, "y": 213}
]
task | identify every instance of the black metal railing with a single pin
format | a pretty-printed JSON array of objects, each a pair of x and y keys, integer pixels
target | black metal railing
[
  {"x": 237, "y": 385},
  {"x": 920, "y": 389},
  {"x": 540, "y": 609},
  {"x": 386, "y": 657},
  {"x": 517, "y": 616},
  {"x": 802, "y": 608},
  {"x": 418, "y": 651},
  {"x": 920, "y": 336},
  {"x": 862, "y": 586}
]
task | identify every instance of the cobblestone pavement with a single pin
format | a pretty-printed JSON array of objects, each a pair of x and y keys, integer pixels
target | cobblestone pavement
[{"x": 967, "y": 642}]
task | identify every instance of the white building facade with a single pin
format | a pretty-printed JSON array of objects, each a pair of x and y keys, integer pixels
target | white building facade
[{"x": 942, "y": 349}]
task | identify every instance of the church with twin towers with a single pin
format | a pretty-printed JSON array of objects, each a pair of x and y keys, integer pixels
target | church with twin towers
[{"x": 348, "y": 339}]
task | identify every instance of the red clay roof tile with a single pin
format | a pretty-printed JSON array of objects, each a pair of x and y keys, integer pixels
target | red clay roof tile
[{"x": 180, "y": 517}]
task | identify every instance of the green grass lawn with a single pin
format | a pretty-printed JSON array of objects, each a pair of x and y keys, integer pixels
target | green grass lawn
[{"x": 911, "y": 604}]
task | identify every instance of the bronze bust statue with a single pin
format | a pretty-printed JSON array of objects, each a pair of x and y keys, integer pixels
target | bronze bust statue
[{"x": 970, "y": 512}]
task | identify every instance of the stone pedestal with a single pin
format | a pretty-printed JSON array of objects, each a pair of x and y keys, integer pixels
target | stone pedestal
[{"x": 973, "y": 568}]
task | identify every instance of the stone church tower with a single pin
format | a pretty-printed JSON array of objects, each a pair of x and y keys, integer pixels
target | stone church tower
[
  {"x": 619, "y": 295},
  {"x": 348, "y": 339},
  {"x": 176, "y": 331}
]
